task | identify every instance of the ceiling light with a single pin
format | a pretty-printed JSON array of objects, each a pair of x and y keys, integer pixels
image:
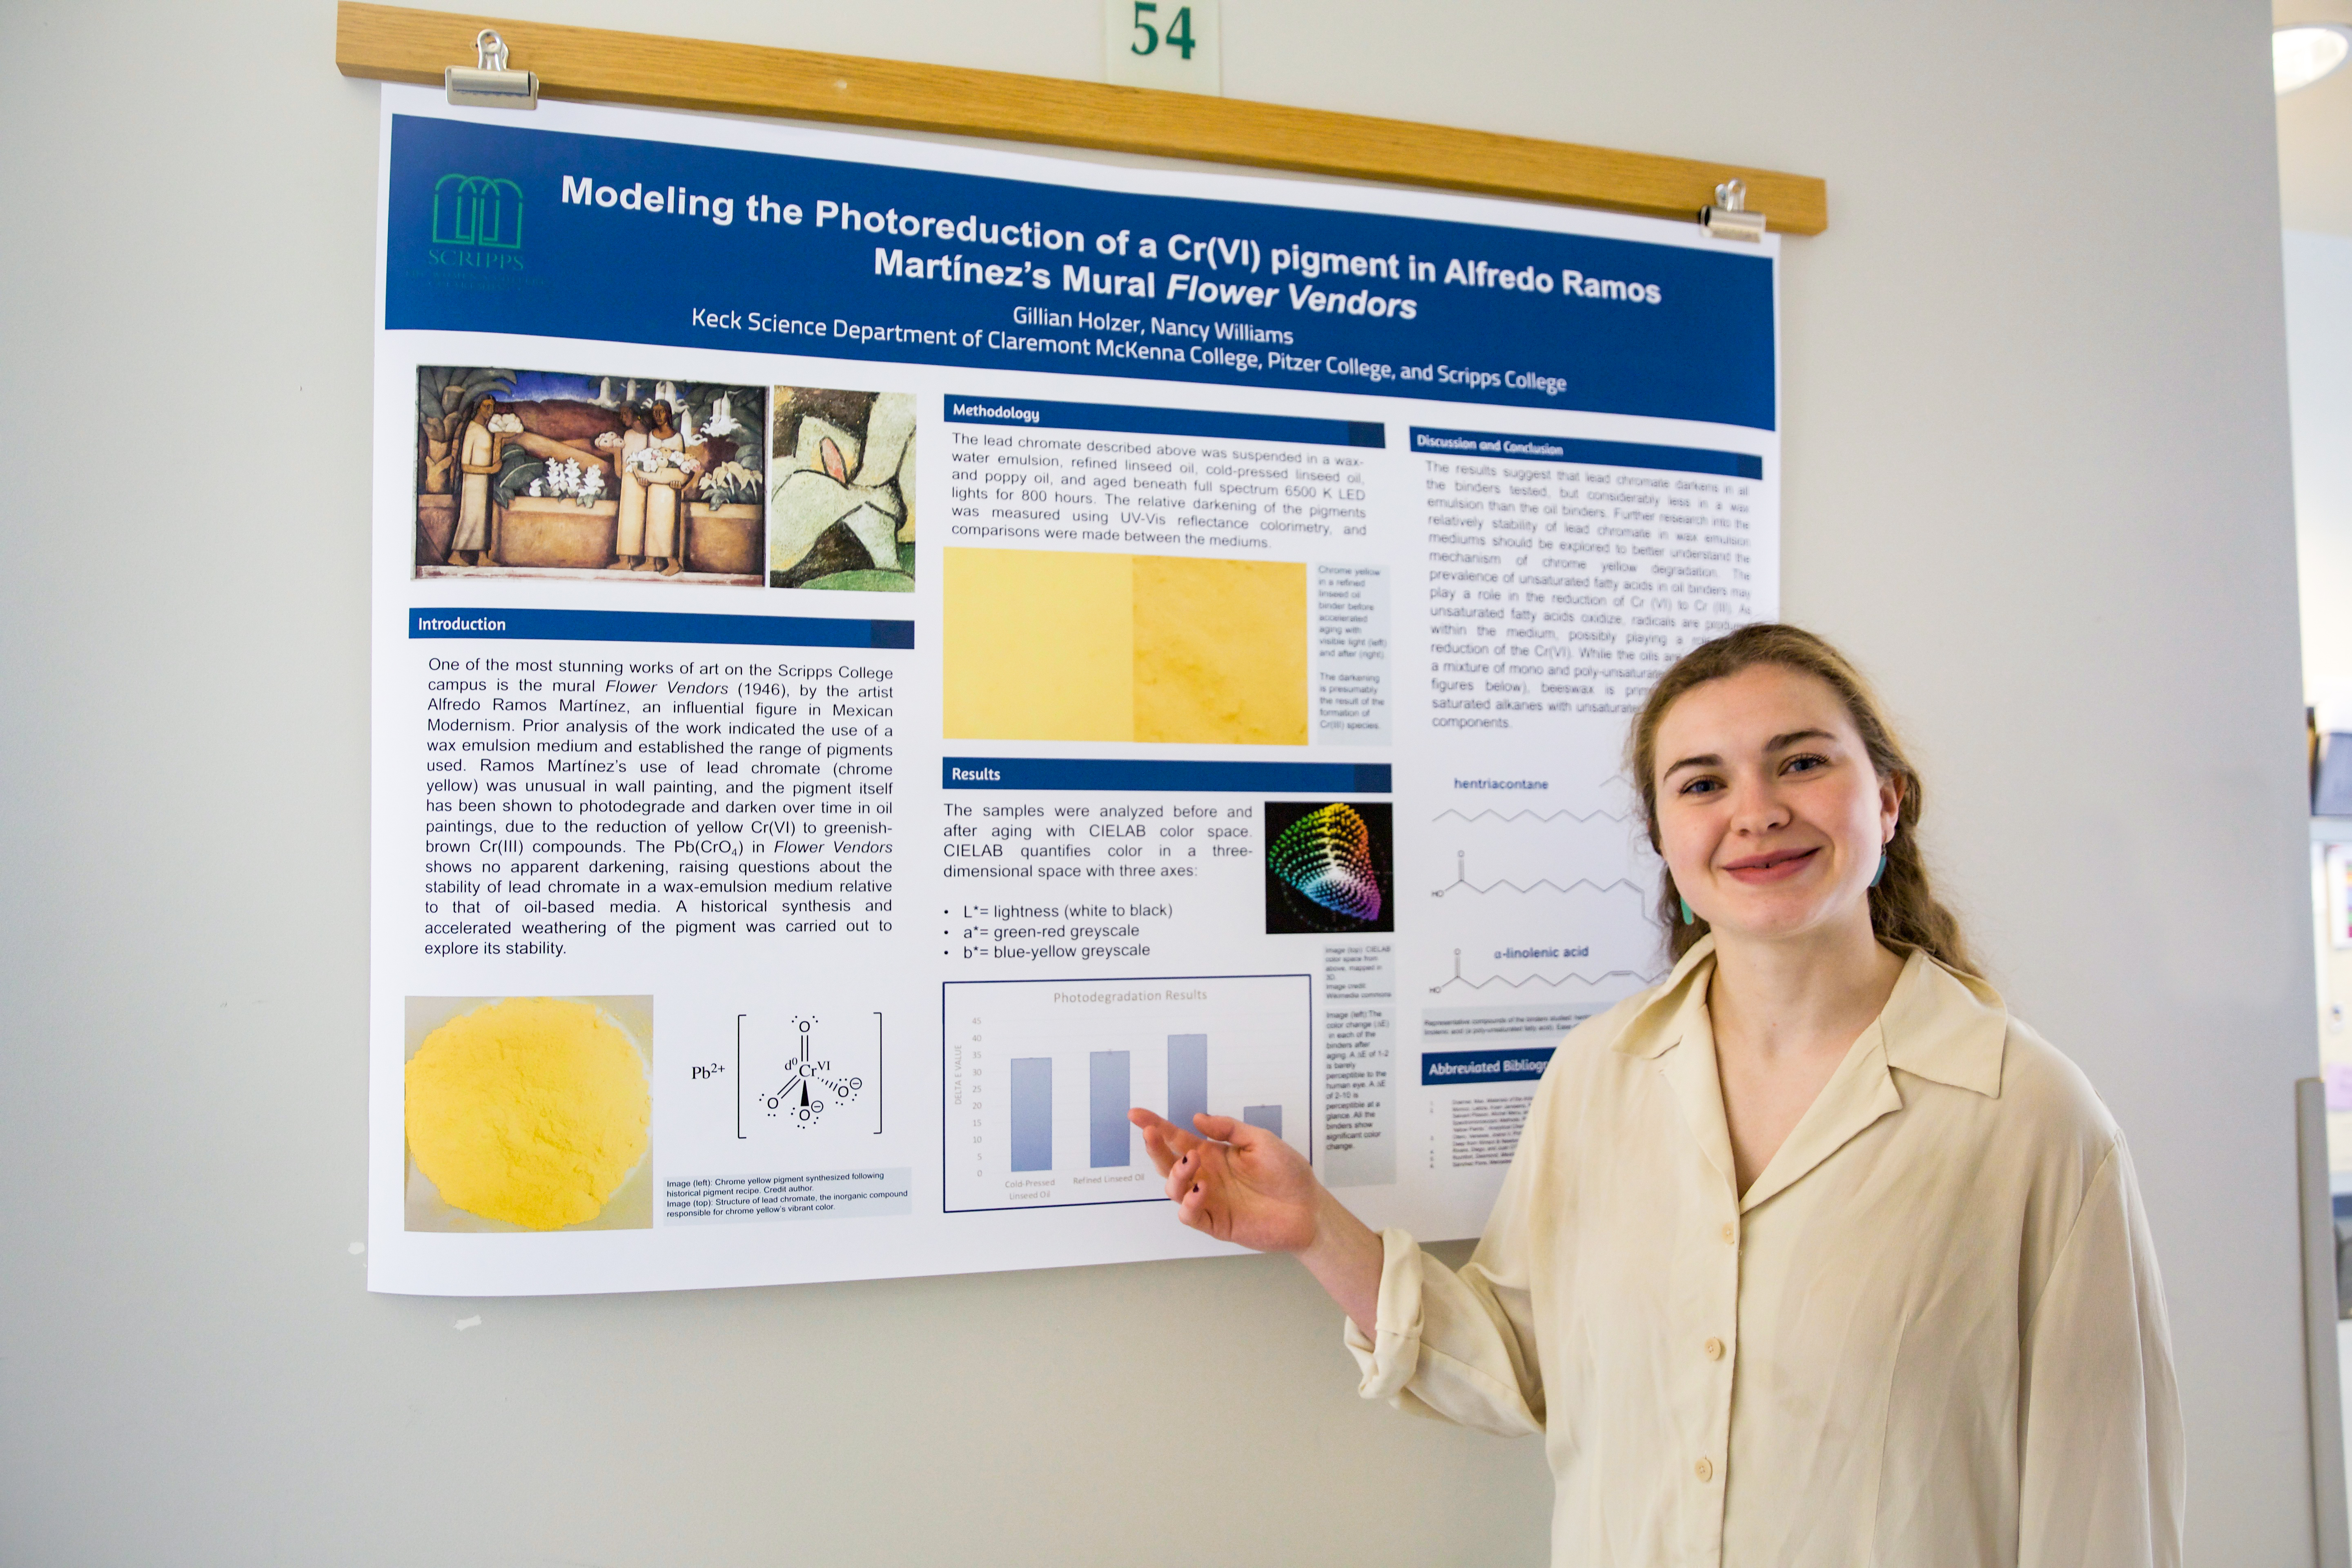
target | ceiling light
[{"x": 2302, "y": 53}]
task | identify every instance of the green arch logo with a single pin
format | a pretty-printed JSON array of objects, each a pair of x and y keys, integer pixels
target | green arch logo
[{"x": 472, "y": 209}]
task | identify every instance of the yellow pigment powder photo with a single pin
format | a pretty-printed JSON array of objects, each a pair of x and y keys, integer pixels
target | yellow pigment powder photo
[{"x": 529, "y": 1114}]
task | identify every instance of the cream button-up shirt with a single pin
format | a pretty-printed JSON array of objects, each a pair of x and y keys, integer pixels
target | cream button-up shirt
[{"x": 1931, "y": 1333}]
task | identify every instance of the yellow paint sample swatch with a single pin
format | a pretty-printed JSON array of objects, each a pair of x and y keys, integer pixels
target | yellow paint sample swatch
[
  {"x": 1064, "y": 646},
  {"x": 1220, "y": 651},
  {"x": 530, "y": 1111},
  {"x": 1039, "y": 644}
]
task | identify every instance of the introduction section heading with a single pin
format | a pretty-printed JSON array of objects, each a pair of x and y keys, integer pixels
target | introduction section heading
[{"x": 653, "y": 626}]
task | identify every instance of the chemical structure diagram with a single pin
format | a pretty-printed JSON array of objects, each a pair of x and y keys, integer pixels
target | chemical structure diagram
[{"x": 813, "y": 1086}]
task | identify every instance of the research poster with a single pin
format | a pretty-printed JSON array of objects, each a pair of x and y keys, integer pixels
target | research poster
[{"x": 887, "y": 655}]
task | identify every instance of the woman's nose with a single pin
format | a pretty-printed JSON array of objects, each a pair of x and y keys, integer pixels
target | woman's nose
[{"x": 1757, "y": 806}]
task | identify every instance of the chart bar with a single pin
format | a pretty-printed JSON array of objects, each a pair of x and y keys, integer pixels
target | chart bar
[
  {"x": 1188, "y": 1079},
  {"x": 1266, "y": 1116},
  {"x": 1033, "y": 1113},
  {"x": 1108, "y": 1141}
]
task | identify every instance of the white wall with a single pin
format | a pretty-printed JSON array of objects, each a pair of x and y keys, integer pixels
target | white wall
[
  {"x": 2037, "y": 481},
  {"x": 2319, "y": 376}
]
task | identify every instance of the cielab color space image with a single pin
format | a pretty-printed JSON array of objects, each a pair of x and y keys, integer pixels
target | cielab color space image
[{"x": 1328, "y": 868}]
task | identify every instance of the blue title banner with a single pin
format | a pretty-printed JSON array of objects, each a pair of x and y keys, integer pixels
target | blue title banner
[
  {"x": 503, "y": 228},
  {"x": 658, "y": 625}
]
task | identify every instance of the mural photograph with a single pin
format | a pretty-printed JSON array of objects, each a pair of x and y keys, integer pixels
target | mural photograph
[
  {"x": 843, "y": 508},
  {"x": 538, "y": 473}
]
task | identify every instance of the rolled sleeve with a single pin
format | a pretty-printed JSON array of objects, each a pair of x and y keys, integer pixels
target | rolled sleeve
[
  {"x": 1451, "y": 1346},
  {"x": 1389, "y": 1359}
]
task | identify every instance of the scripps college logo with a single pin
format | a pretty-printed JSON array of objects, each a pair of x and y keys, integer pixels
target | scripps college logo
[
  {"x": 476, "y": 224},
  {"x": 469, "y": 209}
]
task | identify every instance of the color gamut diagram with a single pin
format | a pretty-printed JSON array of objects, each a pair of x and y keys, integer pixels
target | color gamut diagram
[
  {"x": 1330, "y": 867},
  {"x": 1327, "y": 855}
]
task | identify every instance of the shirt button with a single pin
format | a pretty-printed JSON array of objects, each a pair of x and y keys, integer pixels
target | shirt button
[
  {"x": 1714, "y": 1350},
  {"x": 1704, "y": 1470},
  {"x": 1729, "y": 1235}
]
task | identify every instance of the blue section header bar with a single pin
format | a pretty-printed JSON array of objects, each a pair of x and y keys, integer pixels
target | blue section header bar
[
  {"x": 1114, "y": 416},
  {"x": 1125, "y": 773},
  {"x": 1516, "y": 1063},
  {"x": 509, "y": 228},
  {"x": 659, "y": 626},
  {"x": 1612, "y": 454}
]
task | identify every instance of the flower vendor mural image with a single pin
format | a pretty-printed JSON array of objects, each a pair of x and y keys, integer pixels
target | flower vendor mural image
[
  {"x": 538, "y": 473},
  {"x": 842, "y": 514}
]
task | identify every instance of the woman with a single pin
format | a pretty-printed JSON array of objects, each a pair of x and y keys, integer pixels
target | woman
[
  {"x": 665, "y": 500},
  {"x": 1810, "y": 1255},
  {"x": 480, "y": 454},
  {"x": 629, "y": 529}
]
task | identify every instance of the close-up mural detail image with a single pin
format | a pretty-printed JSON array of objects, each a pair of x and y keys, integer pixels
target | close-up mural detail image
[{"x": 844, "y": 495}]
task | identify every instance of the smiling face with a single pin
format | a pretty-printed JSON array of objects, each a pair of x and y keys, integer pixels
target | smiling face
[{"x": 1770, "y": 816}]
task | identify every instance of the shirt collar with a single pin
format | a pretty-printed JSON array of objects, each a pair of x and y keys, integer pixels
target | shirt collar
[
  {"x": 1660, "y": 1023},
  {"x": 1946, "y": 1026},
  {"x": 1939, "y": 1024}
]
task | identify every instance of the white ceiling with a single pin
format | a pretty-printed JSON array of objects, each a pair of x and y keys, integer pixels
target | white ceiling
[{"x": 2315, "y": 135}]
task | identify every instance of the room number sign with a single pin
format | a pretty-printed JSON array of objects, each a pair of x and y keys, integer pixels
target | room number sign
[{"x": 1167, "y": 44}]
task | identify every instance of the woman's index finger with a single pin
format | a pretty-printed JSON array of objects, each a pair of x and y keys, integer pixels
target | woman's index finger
[
  {"x": 1153, "y": 1121},
  {"x": 1164, "y": 1141}
]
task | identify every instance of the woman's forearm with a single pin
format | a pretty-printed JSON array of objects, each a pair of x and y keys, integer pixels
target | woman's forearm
[{"x": 1346, "y": 1258}]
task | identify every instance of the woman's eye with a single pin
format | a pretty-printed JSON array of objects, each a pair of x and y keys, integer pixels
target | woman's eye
[
  {"x": 1700, "y": 786},
  {"x": 1807, "y": 764}
]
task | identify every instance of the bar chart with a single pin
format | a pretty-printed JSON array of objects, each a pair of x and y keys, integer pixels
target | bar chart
[{"x": 1040, "y": 1074}]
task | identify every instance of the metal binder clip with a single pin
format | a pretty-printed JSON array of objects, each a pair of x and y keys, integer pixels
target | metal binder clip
[
  {"x": 488, "y": 83},
  {"x": 1729, "y": 218}
]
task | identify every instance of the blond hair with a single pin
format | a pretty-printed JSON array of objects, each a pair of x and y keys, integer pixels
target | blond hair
[{"x": 1904, "y": 910}]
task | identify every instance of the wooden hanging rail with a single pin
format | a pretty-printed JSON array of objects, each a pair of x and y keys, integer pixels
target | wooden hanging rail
[{"x": 391, "y": 43}]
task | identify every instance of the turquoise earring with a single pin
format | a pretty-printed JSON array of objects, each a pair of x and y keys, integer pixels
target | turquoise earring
[
  {"x": 1875, "y": 876},
  {"x": 1688, "y": 918}
]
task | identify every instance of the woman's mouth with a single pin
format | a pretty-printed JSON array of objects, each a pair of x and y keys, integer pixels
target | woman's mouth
[{"x": 1776, "y": 866}]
